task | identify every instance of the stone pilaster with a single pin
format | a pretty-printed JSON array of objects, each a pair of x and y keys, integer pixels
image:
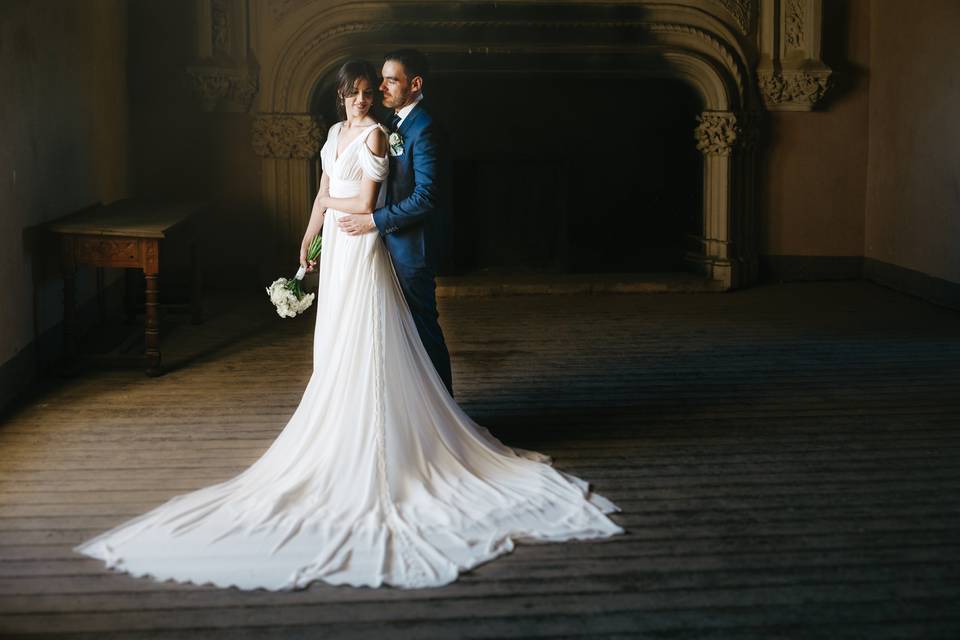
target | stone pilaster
[
  {"x": 790, "y": 73},
  {"x": 287, "y": 135},
  {"x": 225, "y": 74},
  {"x": 716, "y": 134},
  {"x": 287, "y": 142}
]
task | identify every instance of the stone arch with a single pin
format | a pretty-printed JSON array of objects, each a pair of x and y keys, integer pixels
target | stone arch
[{"x": 693, "y": 47}]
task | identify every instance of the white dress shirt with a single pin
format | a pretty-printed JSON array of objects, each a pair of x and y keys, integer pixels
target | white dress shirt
[{"x": 405, "y": 111}]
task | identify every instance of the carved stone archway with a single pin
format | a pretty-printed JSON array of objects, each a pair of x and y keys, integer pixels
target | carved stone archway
[{"x": 712, "y": 45}]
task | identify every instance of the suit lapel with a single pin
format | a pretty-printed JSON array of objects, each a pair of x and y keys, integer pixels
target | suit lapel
[
  {"x": 410, "y": 119},
  {"x": 405, "y": 126}
]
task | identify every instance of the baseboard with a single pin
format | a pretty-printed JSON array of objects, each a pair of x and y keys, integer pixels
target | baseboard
[
  {"x": 916, "y": 283},
  {"x": 788, "y": 268}
]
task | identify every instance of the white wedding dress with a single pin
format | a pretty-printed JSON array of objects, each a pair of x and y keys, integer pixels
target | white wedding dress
[{"x": 379, "y": 477}]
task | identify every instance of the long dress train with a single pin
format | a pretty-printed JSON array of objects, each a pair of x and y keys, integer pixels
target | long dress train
[{"x": 378, "y": 477}]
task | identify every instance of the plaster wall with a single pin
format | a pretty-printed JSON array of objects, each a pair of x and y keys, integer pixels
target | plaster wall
[
  {"x": 816, "y": 161},
  {"x": 63, "y": 126},
  {"x": 913, "y": 177}
]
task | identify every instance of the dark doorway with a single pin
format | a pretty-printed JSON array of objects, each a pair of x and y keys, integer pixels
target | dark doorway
[{"x": 570, "y": 173}]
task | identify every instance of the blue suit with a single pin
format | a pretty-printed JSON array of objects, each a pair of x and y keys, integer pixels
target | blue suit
[{"x": 409, "y": 222}]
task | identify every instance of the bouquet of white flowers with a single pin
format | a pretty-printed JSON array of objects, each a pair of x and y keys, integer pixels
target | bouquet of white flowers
[{"x": 287, "y": 295}]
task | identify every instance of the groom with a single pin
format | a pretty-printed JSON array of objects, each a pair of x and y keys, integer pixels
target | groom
[{"x": 408, "y": 221}]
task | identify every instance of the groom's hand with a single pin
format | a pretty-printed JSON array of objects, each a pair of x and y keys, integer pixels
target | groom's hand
[{"x": 354, "y": 224}]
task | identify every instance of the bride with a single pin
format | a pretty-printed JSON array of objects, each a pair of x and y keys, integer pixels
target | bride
[{"x": 379, "y": 478}]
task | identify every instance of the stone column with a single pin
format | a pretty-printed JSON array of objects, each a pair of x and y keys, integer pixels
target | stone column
[
  {"x": 287, "y": 142},
  {"x": 715, "y": 135}
]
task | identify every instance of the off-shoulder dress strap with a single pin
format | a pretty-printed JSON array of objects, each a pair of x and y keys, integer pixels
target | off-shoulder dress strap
[
  {"x": 366, "y": 134},
  {"x": 376, "y": 167}
]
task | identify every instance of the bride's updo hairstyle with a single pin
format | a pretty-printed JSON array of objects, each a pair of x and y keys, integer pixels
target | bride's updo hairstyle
[{"x": 347, "y": 76}]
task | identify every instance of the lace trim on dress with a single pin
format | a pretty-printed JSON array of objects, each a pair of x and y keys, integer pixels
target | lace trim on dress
[{"x": 394, "y": 522}]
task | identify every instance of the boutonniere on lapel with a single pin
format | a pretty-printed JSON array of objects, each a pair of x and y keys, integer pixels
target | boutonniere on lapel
[{"x": 396, "y": 144}]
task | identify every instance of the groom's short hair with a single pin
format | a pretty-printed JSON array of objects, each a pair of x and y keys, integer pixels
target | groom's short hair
[{"x": 413, "y": 61}]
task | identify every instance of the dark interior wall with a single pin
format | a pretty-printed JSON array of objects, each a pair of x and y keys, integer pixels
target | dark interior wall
[
  {"x": 171, "y": 151},
  {"x": 63, "y": 146},
  {"x": 913, "y": 183}
]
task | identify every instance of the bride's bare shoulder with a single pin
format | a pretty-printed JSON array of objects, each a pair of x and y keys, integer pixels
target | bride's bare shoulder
[{"x": 377, "y": 140}]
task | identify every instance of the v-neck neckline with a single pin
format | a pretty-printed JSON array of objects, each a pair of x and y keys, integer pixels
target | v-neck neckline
[{"x": 336, "y": 149}]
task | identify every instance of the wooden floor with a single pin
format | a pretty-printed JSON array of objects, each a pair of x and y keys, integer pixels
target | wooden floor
[{"x": 787, "y": 459}]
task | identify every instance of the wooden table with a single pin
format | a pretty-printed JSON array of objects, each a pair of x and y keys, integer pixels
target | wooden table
[{"x": 126, "y": 234}]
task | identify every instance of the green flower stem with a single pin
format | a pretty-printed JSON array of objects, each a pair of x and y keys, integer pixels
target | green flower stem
[
  {"x": 314, "y": 250},
  {"x": 293, "y": 285}
]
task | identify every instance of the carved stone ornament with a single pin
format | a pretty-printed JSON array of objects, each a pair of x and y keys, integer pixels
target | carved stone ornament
[
  {"x": 280, "y": 8},
  {"x": 316, "y": 43},
  {"x": 277, "y": 135},
  {"x": 742, "y": 12},
  {"x": 220, "y": 26},
  {"x": 224, "y": 76},
  {"x": 790, "y": 74},
  {"x": 793, "y": 25},
  {"x": 213, "y": 86},
  {"x": 716, "y": 133},
  {"x": 798, "y": 89}
]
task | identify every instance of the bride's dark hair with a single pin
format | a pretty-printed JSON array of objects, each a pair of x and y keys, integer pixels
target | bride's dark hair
[{"x": 347, "y": 76}]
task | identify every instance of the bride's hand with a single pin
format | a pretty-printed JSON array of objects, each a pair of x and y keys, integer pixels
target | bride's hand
[{"x": 304, "y": 245}]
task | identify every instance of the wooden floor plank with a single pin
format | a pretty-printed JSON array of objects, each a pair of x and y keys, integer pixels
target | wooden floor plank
[{"x": 787, "y": 459}]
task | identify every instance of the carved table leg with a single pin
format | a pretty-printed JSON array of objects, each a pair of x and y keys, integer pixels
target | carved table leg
[
  {"x": 152, "y": 331},
  {"x": 151, "y": 272}
]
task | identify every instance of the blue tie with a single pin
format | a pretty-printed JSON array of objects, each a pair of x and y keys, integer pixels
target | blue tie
[{"x": 394, "y": 122}]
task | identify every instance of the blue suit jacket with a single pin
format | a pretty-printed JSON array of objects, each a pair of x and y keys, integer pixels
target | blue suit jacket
[{"x": 408, "y": 222}]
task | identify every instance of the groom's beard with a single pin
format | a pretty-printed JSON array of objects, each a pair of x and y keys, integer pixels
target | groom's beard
[{"x": 396, "y": 102}]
